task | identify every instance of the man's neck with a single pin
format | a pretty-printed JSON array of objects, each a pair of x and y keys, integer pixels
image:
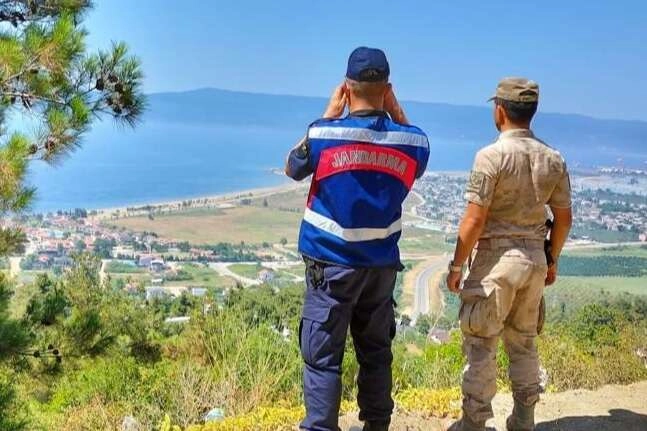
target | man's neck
[
  {"x": 511, "y": 126},
  {"x": 362, "y": 105}
]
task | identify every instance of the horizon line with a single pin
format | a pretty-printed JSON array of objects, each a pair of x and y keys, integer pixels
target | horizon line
[{"x": 264, "y": 93}]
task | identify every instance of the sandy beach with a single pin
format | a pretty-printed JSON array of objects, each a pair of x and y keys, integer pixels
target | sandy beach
[{"x": 221, "y": 200}]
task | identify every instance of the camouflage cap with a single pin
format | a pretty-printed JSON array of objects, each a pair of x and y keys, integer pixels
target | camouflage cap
[{"x": 517, "y": 90}]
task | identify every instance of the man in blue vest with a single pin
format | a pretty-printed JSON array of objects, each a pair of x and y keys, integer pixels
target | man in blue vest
[{"x": 363, "y": 165}]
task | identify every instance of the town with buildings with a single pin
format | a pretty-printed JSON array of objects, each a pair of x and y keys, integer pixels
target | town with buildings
[{"x": 610, "y": 207}]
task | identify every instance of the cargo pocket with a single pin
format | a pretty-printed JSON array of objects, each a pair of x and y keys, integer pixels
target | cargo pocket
[
  {"x": 476, "y": 315},
  {"x": 314, "y": 336}
]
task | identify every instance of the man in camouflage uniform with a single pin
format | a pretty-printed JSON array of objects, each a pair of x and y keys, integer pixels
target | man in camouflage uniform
[{"x": 511, "y": 183}]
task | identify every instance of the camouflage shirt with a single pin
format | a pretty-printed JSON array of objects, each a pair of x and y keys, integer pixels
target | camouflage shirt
[{"x": 516, "y": 177}]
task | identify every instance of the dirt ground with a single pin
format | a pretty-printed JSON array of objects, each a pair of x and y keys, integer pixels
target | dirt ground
[{"x": 611, "y": 408}]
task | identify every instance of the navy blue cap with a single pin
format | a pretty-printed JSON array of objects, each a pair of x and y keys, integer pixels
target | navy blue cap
[{"x": 367, "y": 65}]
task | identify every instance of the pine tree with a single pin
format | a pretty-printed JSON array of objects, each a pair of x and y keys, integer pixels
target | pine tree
[
  {"x": 48, "y": 78},
  {"x": 47, "y": 75}
]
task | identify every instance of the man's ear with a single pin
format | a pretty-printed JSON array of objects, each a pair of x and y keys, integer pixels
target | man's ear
[
  {"x": 388, "y": 88},
  {"x": 500, "y": 116}
]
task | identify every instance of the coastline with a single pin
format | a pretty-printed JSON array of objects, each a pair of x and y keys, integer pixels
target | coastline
[{"x": 219, "y": 200}]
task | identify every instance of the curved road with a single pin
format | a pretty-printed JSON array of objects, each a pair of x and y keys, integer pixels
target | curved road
[{"x": 421, "y": 298}]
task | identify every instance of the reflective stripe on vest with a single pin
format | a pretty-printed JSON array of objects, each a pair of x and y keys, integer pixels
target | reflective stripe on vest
[
  {"x": 351, "y": 235},
  {"x": 367, "y": 135}
]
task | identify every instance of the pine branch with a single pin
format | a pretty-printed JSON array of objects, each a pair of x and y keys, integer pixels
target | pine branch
[{"x": 32, "y": 96}]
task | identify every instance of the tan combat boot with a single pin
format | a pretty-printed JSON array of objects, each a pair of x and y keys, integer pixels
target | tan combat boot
[
  {"x": 522, "y": 418},
  {"x": 466, "y": 424}
]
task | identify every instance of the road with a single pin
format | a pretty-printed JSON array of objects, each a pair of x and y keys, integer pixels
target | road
[{"x": 424, "y": 290}]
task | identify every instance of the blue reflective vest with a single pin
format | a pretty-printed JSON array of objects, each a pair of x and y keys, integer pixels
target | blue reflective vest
[{"x": 363, "y": 168}]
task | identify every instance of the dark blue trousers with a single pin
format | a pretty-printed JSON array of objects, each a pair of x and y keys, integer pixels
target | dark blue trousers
[{"x": 336, "y": 298}]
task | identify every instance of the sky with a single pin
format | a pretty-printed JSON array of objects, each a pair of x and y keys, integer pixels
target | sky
[{"x": 589, "y": 57}]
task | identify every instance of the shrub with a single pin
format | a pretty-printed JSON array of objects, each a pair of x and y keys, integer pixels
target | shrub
[{"x": 12, "y": 417}]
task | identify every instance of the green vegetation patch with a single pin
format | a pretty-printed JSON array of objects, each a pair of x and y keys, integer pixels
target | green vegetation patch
[
  {"x": 423, "y": 241},
  {"x": 603, "y": 266},
  {"x": 118, "y": 267},
  {"x": 621, "y": 250},
  {"x": 246, "y": 270}
]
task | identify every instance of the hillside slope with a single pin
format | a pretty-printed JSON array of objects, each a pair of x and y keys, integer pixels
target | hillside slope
[{"x": 609, "y": 408}]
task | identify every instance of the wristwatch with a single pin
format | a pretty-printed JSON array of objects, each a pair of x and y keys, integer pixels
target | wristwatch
[{"x": 454, "y": 268}]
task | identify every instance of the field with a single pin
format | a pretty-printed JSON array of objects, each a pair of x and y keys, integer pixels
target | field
[
  {"x": 135, "y": 278},
  {"x": 297, "y": 270},
  {"x": 294, "y": 200},
  {"x": 591, "y": 286},
  {"x": 244, "y": 270},
  {"x": 570, "y": 294},
  {"x": 603, "y": 235},
  {"x": 265, "y": 219},
  {"x": 638, "y": 251},
  {"x": 202, "y": 276},
  {"x": 423, "y": 241},
  {"x": 117, "y": 267},
  {"x": 251, "y": 224}
]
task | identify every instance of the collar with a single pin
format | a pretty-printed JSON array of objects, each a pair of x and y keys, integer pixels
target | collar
[
  {"x": 517, "y": 133},
  {"x": 368, "y": 113}
]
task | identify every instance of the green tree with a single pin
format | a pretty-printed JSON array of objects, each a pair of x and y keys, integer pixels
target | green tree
[
  {"x": 47, "y": 75},
  {"x": 423, "y": 324},
  {"x": 79, "y": 245},
  {"x": 597, "y": 325},
  {"x": 48, "y": 305},
  {"x": 14, "y": 337},
  {"x": 103, "y": 247}
]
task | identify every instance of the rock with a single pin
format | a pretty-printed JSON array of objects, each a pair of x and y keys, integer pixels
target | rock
[
  {"x": 215, "y": 415},
  {"x": 130, "y": 424}
]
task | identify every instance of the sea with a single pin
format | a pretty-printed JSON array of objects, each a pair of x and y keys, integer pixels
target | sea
[
  {"x": 170, "y": 160},
  {"x": 119, "y": 166}
]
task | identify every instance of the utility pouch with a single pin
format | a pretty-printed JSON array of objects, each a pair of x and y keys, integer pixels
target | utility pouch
[
  {"x": 314, "y": 273},
  {"x": 548, "y": 247}
]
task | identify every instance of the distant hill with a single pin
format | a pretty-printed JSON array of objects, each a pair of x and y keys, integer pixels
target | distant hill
[{"x": 455, "y": 131}]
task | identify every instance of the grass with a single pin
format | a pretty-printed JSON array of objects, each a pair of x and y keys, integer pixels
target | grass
[
  {"x": 28, "y": 277},
  {"x": 569, "y": 294},
  {"x": 203, "y": 276},
  {"x": 297, "y": 270},
  {"x": 22, "y": 295},
  {"x": 423, "y": 241},
  {"x": 593, "y": 285},
  {"x": 136, "y": 278},
  {"x": 629, "y": 251},
  {"x": 123, "y": 268},
  {"x": 247, "y": 271},
  {"x": 603, "y": 235},
  {"x": 251, "y": 224},
  {"x": 293, "y": 200}
]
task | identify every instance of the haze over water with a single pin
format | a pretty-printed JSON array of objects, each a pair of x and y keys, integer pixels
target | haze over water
[{"x": 157, "y": 162}]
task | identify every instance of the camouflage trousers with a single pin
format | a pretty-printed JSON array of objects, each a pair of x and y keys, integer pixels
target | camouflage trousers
[{"x": 501, "y": 298}]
